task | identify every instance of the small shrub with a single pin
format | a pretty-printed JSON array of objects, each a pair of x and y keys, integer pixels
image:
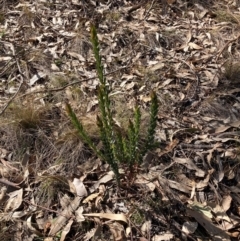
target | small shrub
[{"x": 119, "y": 146}]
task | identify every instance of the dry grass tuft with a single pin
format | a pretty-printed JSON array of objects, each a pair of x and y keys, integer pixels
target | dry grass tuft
[
  {"x": 232, "y": 72},
  {"x": 4, "y": 4},
  {"x": 226, "y": 16},
  {"x": 41, "y": 131},
  {"x": 50, "y": 189},
  {"x": 26, "y": 117}
]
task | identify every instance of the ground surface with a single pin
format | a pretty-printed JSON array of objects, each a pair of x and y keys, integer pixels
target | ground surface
[{"x": 53, "y": 187}]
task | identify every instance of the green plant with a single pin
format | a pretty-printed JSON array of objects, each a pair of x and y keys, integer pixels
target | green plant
[
  {"x": 137, "y": 217},
  {"x": 119, "y": 146},
  {"x": 58, "y": 62}
]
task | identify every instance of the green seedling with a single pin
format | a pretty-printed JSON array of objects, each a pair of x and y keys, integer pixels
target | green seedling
[{"x": 120, "y": 147}]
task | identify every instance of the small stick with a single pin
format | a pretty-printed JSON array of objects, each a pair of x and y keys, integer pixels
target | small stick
[
  {"x": 226, "y": 45},
  {"x": 8, "y": 183},
  {"x": 55, "y": 89},
  {"x": 70, "y": 84}
]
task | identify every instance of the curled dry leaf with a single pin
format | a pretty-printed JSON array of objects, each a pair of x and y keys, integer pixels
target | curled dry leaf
[
  {"x": 104, "y": 179},
  {"x": 111, "y": 216},
  {"x": 65, "y": 200},
  {"x": 226, "y": 202},
  {"x": 220, "y": 213},
  {"x": 203, "y": 183},
  {"x": 2, "y": 193},
  {"x": 90, "y": 234},
  {"x": 117, "y": 231},
  {"x": 156, "y": 66},
  {"x": 37, "y": 77},
  {"x": 144, "y": 179},
  {"x": 33, "y": 229},
  {"x": 91, "y": 197},
  {"x": 206, "y": 210},
  {"x": 189, "y": 227},
  {"x": 65, "y": 215},
  {"x": 6, "y": 171},
  {"x": 179, "y": 186},
  {"x": 80, "y": 189},
  {"x": 66, "y": 230},
  {"x": 146, "y": 227},
  {"x": 14, "y": 201},
  {"x": 188, "y": 163},
  {"x": 19, "y": 214},
  {"x": 49, "y": 239},
  {"x": 78, "y": 214},
  {"x": 194, "y": 46},
  {"x": 143, "y": 239},
  {"x": 3, "y": 152},
  {"x": 216, "y": 233},
  {"x": 163, "y": 237}
]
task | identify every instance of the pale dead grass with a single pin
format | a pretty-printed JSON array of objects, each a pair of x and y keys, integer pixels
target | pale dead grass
[
  {"x": 39, "y": 132},
  {"x": 232, "y": 72}
]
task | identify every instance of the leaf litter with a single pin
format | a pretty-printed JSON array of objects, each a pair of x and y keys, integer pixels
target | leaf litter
[{"x": 51, "y": 184}]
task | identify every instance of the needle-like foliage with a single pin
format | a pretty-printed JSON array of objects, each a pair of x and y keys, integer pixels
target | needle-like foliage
[{"x": 119, "y": 146}]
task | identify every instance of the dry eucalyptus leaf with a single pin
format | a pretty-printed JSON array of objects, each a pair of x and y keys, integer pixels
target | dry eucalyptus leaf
[
  {"x": 79, "y": 187},
  {"x": 64, "y": 216},
  {"x": 117, "y": 231},
  {"x": 189, "y": 227},
  {"x": 90, "y": 234},
  {"x": 31, "y": 225},
  {"x": 226, "y": 202},
  {"x": 188, "y": 163},
  {"x": 14, "y": 201},
  {"x": 163, "y": 237},
  {"x": 111, "y": 216},
  {"x": 3, "y": 193},
  {"x": 146, "y": 227},
  {"x": 66, "y": 230},
  {"x": 91, "y": 197},
  {"x": 78, "y": 214},
  {"x": 110, "y": 175},
  {"x": 216, "y": 233}
]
